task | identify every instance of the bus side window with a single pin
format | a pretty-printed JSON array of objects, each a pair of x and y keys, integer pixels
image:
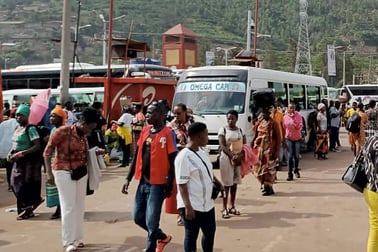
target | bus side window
[
  {"x": 297, "y": 95},
  {"x": 279, "y": 91},
  {"x": 312, "y": 97}
]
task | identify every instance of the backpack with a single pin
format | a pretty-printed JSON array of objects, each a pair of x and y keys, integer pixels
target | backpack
[
  {"x": 43, "y": 133},
  {"x": 354, "y": 123}
]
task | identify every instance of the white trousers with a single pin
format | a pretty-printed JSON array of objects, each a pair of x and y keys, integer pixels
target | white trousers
[{"x": 71, "y": 196}]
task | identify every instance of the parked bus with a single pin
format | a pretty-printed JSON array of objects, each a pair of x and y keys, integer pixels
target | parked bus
[
  {"x": 48, "y": 75},
  {"x": 214, "y": 90},
  {"x": 358, "y": 93},
  {"x": 76, "y": 95}
]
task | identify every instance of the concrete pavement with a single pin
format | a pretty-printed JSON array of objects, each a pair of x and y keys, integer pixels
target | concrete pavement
[{"x": 314, "y": 213}]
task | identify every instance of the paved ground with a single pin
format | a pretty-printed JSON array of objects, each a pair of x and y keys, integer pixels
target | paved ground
[{"x": 314, "y": 213}]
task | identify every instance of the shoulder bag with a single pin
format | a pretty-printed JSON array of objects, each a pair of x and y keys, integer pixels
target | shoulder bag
[
  {"x": 216, "y": 185},
  {"x": 79, "y": 172}
]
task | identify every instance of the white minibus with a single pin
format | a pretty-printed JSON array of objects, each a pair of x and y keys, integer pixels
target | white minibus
[
  {"x": 212, "y": 91},
  {"x": 358, "y": 93},
  {"x": 77, "y": 95}
]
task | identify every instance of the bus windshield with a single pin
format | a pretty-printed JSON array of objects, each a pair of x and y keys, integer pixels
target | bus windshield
[
  {"x": 211, "y": 97},
  {"x": 360, "y": 90}
]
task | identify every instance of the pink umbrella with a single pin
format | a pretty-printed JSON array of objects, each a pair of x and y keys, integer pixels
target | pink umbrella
[{"x": 39, "y": 106}]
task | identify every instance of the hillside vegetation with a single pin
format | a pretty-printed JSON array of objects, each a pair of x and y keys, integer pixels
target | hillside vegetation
[{"x": 216, "y": 22}]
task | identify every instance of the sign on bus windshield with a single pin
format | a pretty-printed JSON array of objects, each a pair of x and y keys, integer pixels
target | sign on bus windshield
[
  {"x": 211, "y": 97},
  {"x": 211, "y": 86}
]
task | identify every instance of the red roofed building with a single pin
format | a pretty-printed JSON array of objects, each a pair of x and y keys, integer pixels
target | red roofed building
[{"x": 180, "y": 48}]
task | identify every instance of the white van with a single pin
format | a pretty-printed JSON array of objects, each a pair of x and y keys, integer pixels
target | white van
[
  {"x": 214, "y": 90},
  {"x": 358, "y": 93},
  {"x": 77, "y": 95}
]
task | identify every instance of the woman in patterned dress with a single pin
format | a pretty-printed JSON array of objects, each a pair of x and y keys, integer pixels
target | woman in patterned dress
[{"x": 266, "y": 134}]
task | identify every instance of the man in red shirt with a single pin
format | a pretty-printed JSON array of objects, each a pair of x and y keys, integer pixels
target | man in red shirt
[{"x": 153, "y": 166}]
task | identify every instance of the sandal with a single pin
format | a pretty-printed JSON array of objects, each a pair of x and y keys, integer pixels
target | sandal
[
  {"x": 233, "y": 211},
  {"x": 25, "y": 215},
  {"x": 225, "y": 214},
  {"x": 79, "y": 244},
  {"x": 180, "y": 221}
]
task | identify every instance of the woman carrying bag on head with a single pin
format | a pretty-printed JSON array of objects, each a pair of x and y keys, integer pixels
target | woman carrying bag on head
[{"x": 68, "y": 172}]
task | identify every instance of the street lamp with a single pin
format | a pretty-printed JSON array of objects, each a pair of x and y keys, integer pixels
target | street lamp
[
  {"x": 76, "y": 29},
  {"x": 2, "y": 45},
  {"x": 104, "y": 36},
  {"x": 259, "y": 35},
  {"x": 225, "y": 52},
  {"x": 344, "y": 49}
]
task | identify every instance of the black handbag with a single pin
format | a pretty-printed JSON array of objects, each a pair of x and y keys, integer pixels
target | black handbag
[
  {"x": 216, "y": 186},
  {"x": 216, "y": 190},
  {"x": 79, "y": 172},
  {"x": 355, "y": 174}
]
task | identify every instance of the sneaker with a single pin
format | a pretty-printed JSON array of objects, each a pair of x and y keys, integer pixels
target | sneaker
[
  {"x": 289, "y": 176},
  {"x": 335, "y": 150},
  {"x": 268, "y": 191},
  {"x": 70, "y": 248},
  {"x": 162, "y": 243},
  {"x": 297, "y": 174}
]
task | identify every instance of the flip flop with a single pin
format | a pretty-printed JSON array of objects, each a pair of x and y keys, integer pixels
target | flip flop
[
  {"x": 225, "y": 214},
  {"x": 234, "y": 211}
]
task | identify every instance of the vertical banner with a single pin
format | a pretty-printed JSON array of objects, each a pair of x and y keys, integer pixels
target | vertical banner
[
  {"x": 210, "y": 58},
  {"x": 331, "y": 60}
]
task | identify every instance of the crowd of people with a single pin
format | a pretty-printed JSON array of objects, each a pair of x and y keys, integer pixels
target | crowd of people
[{"x": 168, "y": 160}]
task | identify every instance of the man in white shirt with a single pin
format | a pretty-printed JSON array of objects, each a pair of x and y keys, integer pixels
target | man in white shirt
[
  {"x": 335, "y": 124},
  {"x": 194, "y": 177},
  {"x": 125, "y": 121}
]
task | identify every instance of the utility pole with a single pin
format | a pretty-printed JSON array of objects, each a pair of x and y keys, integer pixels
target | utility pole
[
  {"x": 64, "y": 51},
  {"x": 250, "y": 24},
  {"x": 256, "y": 31},
  {"x": 104, "y": 36},
  {"x": 103, "y": 40}
]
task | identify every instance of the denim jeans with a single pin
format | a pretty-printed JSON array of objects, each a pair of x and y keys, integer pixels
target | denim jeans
[
  {"x": 146, "y": 213},
  {"x": 333, "y": 137},
  {"x": 204, "y": 221},
  {"x": 293, "y": 149}
]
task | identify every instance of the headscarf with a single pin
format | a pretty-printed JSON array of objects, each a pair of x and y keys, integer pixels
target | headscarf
[
  {"x": 321, "y": 105},
  {"x": 24, "y": 110},
  {"x": 58, "y": 110}
]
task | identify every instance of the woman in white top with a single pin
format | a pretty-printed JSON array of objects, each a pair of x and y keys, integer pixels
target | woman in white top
[
  {"x": 231, "y": 142},
  {"x": 322, "y": 134}
]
